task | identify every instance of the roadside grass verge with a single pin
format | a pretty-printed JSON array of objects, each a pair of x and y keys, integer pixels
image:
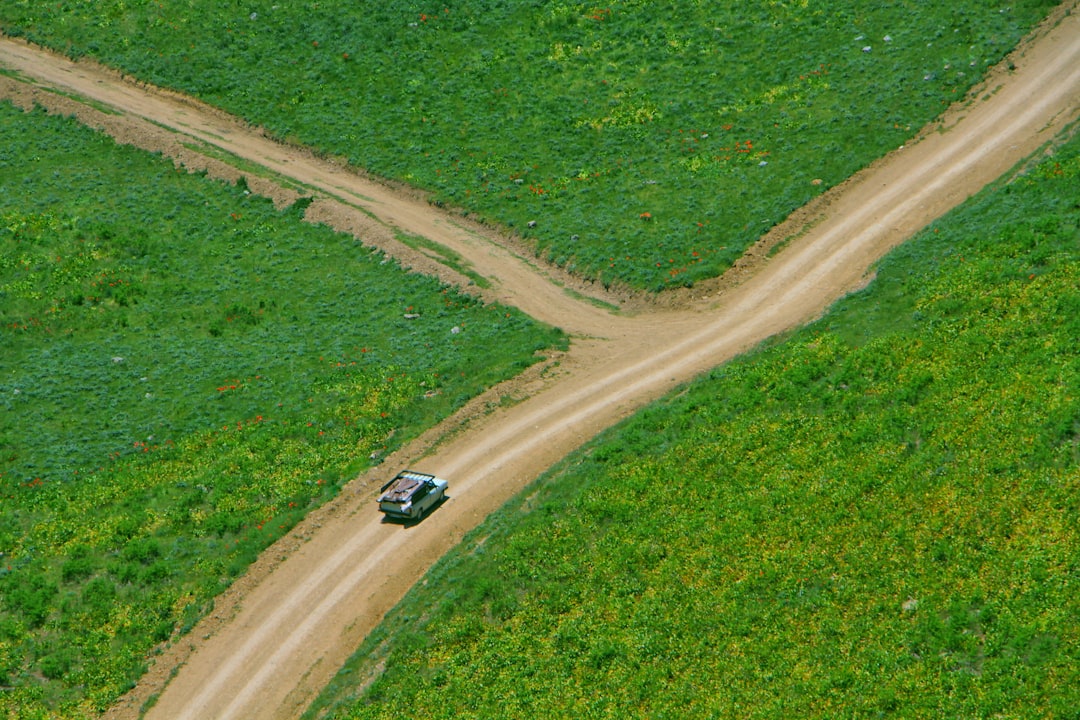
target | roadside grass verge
[
  {"x": 878, "y": 515},
  {"x": 248, "y": 168},
  {"x": 636, "y": 147},
  {"x": 185, "y": 371},
  {"x": 444, "y": 255}
]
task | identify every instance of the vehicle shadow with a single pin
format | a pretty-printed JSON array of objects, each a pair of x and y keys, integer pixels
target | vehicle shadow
[{"x": 413, "y": 522}]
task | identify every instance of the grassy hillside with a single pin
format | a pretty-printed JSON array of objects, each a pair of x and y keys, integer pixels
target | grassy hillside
[
  {"x": 650, "y": 143},
  {"x": 184, "y": 372},
  {"x": 877, "y": 516}
]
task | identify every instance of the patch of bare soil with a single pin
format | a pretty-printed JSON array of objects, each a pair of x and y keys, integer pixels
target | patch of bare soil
[{"x": 276, "y": 637}]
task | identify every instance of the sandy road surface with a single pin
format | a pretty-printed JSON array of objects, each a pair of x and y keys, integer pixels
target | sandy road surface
[
  {"x": 515, "y": 280},
  {"x": 282, "y": 631}
]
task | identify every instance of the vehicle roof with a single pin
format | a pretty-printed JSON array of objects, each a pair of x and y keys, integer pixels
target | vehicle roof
[{"x": 404, "y": 486}]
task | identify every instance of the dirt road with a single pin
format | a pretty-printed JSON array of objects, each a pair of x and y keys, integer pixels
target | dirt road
[{"x": 281, "y": 632}]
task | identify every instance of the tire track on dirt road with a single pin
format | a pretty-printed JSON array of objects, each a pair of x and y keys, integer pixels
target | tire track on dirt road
[{"x": 283, "y": 633}]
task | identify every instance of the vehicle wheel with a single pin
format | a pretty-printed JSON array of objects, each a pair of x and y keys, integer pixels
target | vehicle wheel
[{"x": 419, "y": 514}]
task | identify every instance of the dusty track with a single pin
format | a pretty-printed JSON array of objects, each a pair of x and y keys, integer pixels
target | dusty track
[{"x": 280, "y": 633}]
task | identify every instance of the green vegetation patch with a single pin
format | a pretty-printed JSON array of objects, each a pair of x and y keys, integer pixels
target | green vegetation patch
[
  {"x": 634, "y": 142},
  {"x": 878, "y": 516},
  {"x": 184, "y": 373},
  {"x": 444, "y": 255}
]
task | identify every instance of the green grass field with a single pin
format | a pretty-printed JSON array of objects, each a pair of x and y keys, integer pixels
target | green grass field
[
  {"x": 878, "y": 516},
  {"x": 650, "y": 143},
  {"x": 184, "y": 373}
]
